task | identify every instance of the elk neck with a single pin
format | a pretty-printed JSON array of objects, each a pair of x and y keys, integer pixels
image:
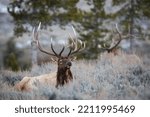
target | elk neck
[{"x": 64, "y": 73}]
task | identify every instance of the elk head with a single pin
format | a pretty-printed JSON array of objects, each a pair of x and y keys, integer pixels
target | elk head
[{"x": 64, "y": 74}]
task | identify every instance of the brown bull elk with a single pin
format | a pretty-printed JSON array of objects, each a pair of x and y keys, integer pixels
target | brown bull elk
[
  {"x": 114, "y": 44},
  {"x": 63, "y": 74}
]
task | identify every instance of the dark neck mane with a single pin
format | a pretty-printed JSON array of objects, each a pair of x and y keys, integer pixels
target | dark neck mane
[{"x": 63, "y": 76}]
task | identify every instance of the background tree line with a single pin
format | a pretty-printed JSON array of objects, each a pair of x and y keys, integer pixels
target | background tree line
[{"x": 92, "y": 25}]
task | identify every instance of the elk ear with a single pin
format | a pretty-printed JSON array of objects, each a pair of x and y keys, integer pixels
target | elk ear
[{"x": 73, "y": 58}]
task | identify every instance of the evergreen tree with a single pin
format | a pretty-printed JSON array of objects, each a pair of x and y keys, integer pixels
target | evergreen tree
[
  {"x": 132, "y": 15},
  {"x": 89, "y": 24},
  {"x": 10, "y": 56},
  {"x": 61, "y": 12},
  {"x": 92, "y": 30},
  {"x": 11, "y": 62}
]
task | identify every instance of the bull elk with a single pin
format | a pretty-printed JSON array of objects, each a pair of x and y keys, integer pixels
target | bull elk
[
  {"x": 114, "y": 44},
  {"x": 64, "y": 63}
]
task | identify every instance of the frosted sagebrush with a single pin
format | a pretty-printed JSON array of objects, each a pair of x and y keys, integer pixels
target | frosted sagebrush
[{"x": 109, "y": 77}]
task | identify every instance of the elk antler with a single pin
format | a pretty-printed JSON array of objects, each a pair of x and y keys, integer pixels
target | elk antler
[
  {"x": 35, "y": 34},
  {"x": 112, "y": 47},
  {"x": 74, "y": 46}
]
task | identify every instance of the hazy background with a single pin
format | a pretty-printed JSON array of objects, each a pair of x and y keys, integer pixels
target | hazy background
[
  {"x": 97, "y": 75},
  {"x": 16, "y": 30}
]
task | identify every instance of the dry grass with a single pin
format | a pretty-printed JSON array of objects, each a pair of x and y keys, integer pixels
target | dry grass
[{"x": 110, "y": 77}]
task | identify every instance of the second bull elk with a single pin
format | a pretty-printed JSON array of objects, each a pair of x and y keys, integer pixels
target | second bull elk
[
  {"x": 115, "y": 43},
  {"x": 64, "y": 63}
]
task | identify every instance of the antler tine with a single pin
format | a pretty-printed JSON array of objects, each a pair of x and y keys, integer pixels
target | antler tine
[
  {"x": 37, "y": 41},
  {"x": 82, "y": 46},
  {"x": 39, "y": 27},
  {"x": 63, "y": 48},
  {"x": 73, "y": 44},
  {"x": 35, "y": 34},
  {"x": 83, "y": 43},
  {"x": 33, "y": 37},
  {"x": 74, "y": 31},
  {"x": 75, "y": 34},
  {"x": 75, "y": 49},
  {"x": 120, "y": 38},
  {"x": 53, "y": 48},
  {"x": 58, "y": 55}
]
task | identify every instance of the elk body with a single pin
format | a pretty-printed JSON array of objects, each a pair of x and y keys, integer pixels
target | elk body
[
  {"x": 30, "y": 83},
  {"x": 64, "y": 63}
]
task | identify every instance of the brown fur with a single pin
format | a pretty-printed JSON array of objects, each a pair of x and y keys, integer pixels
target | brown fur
[
  {"x": 30, "y": 83},
  {"x": 114, "y": 51},
  {"x": 64, "y": 74},
  {"x": 59, "y": 78},
  {"x": 63, "y": 77}
]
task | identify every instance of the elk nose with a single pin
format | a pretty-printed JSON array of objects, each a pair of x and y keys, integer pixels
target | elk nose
[{"x": 69, "y": 63}]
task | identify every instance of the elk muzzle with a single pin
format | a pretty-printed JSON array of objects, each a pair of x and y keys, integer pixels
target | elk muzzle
[{"x": 68, "y": 64}]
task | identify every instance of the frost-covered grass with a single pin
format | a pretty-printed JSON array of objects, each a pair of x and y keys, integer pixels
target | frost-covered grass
[{"x": 109, "y": 77}]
